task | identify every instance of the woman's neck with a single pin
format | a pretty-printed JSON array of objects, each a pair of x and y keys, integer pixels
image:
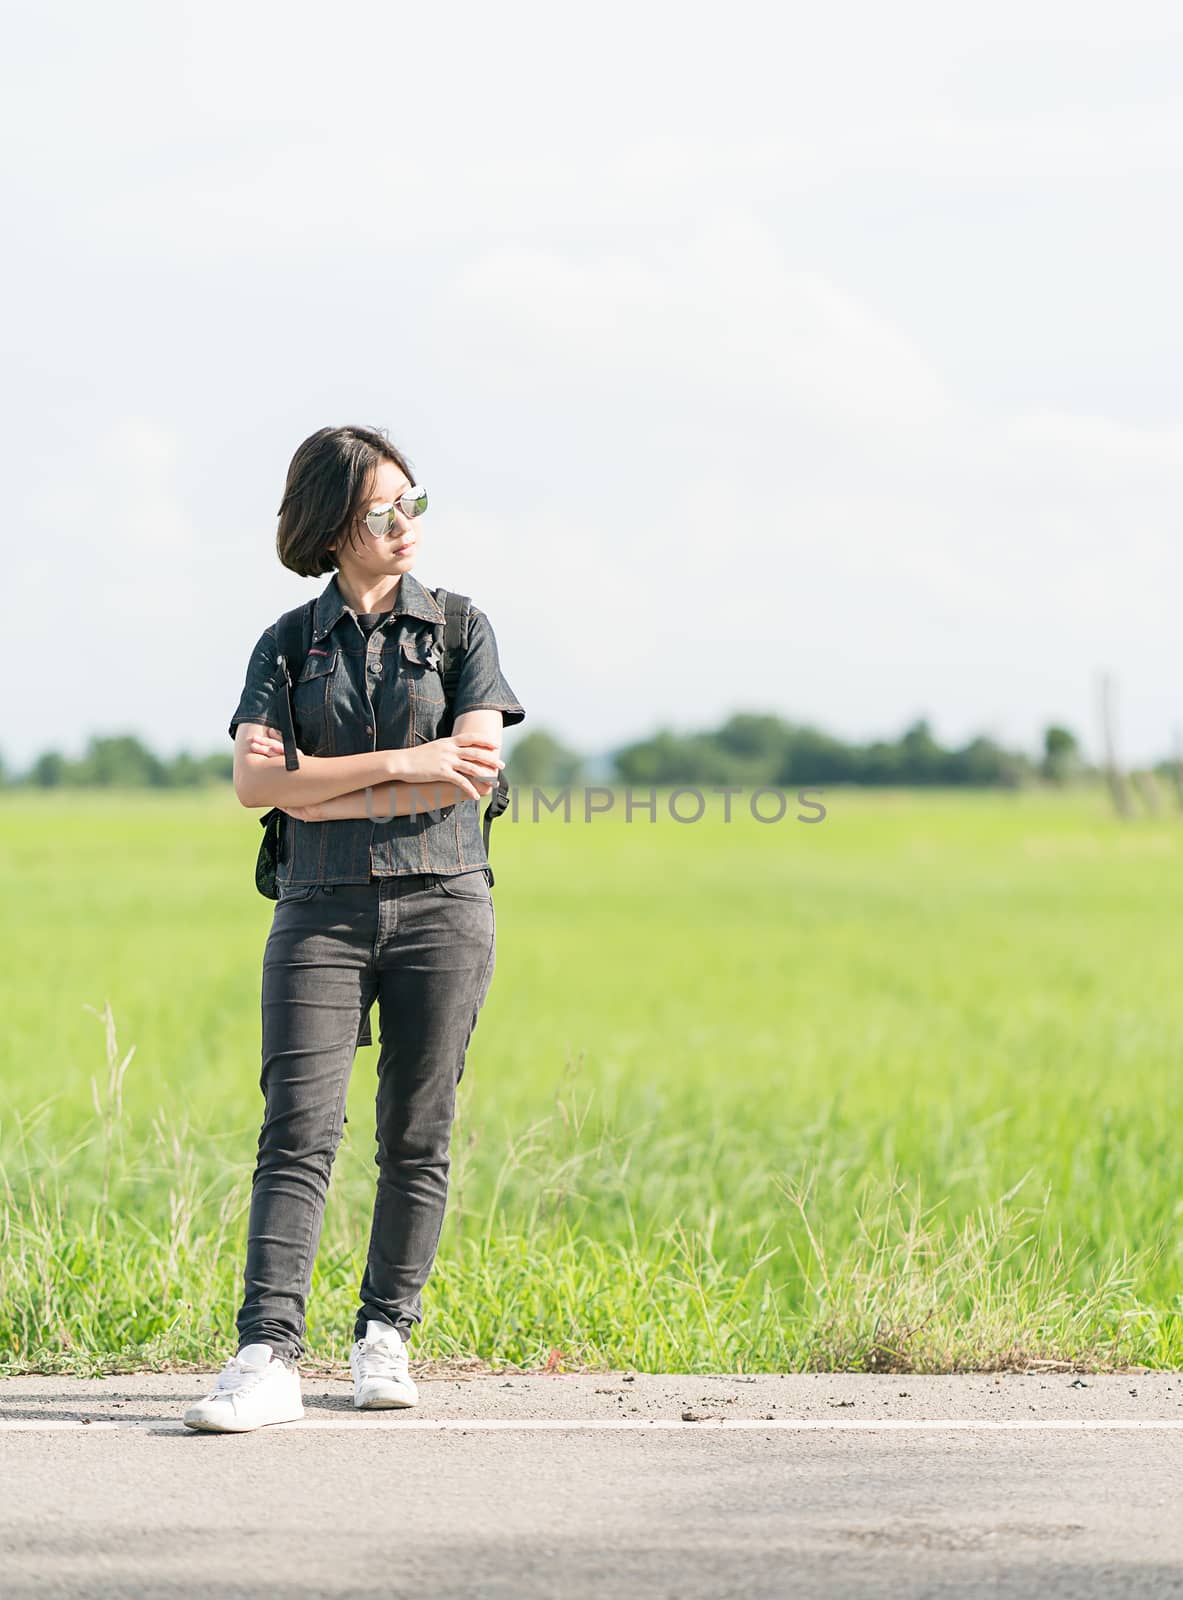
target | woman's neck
[{"x": 378, "y": 596}]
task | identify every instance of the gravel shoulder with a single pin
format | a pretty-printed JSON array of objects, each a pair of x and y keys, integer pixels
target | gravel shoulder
[{"x": 831, "y": 1397}]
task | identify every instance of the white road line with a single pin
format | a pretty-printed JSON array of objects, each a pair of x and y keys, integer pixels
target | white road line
[
  {"x": 51, "y": 1425},
  {"x": 718, "y": 1424}
]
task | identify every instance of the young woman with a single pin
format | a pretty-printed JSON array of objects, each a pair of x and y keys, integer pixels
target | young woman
[{"x": 384, "y": 894}]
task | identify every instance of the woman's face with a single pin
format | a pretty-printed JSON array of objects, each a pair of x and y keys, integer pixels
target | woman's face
[{"x": 363, "y": 557}]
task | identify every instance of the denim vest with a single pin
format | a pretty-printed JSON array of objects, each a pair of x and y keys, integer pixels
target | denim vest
[{"x": 335, "y": 715}]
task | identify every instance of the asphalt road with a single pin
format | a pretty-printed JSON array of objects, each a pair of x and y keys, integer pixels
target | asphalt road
[{"x": 604, "y": 1484}]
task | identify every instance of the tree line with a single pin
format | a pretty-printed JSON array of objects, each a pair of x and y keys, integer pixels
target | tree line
[{"x": 749, "y": 748}]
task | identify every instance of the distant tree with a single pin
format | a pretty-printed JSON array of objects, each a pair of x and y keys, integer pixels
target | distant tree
[
  {"x": 539, "y": 758},
  {"x": 118, "y": 761},
  {"x": 883, "y": 763},
  {"x": 182, "y": 772},
  {"x": 814, "y": 757},
  {"x": 983, "y": 763},
  {"x": 921, "y": 758},
  {"x": 754, "y": 736},
  {"x": 48, "y": 770},
  {"x": 693, "y": 758},
  {"x": 1061, "y": 755},
  {"x": 665, "y": 758},
  {"x": 187, "y": 771},
  {"x": 218, "y": 767}
]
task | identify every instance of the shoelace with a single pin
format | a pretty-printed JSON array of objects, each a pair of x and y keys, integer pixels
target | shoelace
[
  {"x": 236, "y": 1377},
  {"x": 377, "y": 1360}
]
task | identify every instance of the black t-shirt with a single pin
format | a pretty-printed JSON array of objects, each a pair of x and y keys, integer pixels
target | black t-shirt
[{"x": 369, "y": 620}]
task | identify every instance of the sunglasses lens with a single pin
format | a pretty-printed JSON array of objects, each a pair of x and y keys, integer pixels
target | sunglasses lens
[
  {"x": 414, "y": 502},
  {"x": 380, "y": 520}
]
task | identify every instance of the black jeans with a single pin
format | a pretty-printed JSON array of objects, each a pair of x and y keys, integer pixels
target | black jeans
[{"x": 424, "y": 946}]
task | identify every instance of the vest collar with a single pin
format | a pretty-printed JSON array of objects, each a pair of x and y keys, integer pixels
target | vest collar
[{"x": 412, "y": 599}]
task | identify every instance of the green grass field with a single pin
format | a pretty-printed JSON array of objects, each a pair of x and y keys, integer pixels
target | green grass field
[{"x": 897, "y": 1091}]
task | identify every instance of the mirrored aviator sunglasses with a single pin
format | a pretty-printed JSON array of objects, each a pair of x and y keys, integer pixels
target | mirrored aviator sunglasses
[{"x": 412, "y": 504}]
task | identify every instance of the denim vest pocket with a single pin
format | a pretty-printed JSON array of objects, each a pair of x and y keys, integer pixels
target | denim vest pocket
[
  {"x": 421, "y": 678},
  {"x": 312, "y": 703}
]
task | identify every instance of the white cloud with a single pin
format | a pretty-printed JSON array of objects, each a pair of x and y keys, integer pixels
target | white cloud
[
  {"x": 717, "y": 318},
  {"x": 1102, "y": 444}
]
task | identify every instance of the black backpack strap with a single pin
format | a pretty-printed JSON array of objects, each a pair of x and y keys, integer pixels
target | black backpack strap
[
  {"x": 498, "y": 801},
  {"x": 293, "y": 634},
  {"x": 451, "y": 644},
  {"x": 451, "y": 638}
]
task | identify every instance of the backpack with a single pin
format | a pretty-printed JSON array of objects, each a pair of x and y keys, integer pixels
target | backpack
[{"x": 294, "y": 636}]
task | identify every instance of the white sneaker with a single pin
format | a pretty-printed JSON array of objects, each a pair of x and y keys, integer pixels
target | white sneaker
[
  {"x": 381, "y": 1377},
  {"x": 255, "y": 1387}
]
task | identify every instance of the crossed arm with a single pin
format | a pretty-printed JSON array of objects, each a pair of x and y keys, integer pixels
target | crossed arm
[{"x": 398, "y": 782}]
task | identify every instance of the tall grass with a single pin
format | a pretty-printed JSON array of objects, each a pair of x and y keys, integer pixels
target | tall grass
[
  {"x": 900, "y": 1098},
  {"x": 120, "y": 1254}
]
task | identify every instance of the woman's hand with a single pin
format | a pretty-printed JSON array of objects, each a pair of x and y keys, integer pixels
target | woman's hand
[
  {"x": 469, "y": 760},
  {"x": 271, "y": 745},
  {"x": 320, "y": 812},
  {"x": 258, "y": 745}
]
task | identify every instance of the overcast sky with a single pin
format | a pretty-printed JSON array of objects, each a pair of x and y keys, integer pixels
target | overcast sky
[{"x": 815, "y": 360}]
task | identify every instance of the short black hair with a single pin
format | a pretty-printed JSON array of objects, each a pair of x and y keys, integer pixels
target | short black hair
[{"x": 325, "y": 491}]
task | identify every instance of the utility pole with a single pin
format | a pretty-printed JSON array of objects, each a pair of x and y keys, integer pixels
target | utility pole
[{"x": 1118, "y": 788}]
